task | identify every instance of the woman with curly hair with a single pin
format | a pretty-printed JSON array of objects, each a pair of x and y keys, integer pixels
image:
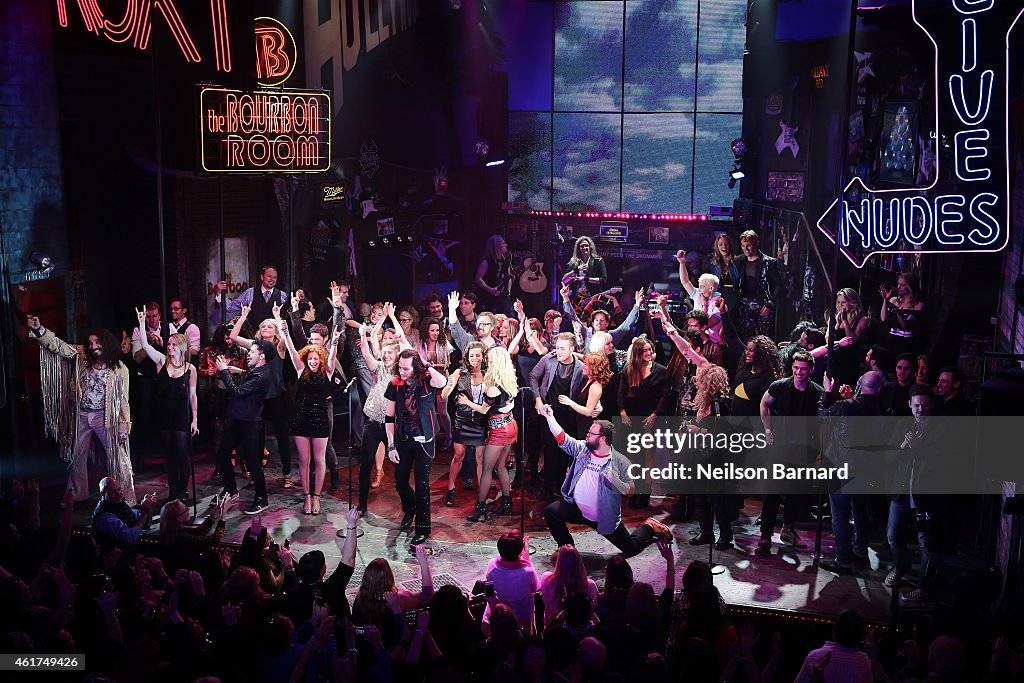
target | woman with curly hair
[
  {"x": 309, "y": 421},
  {"x": 848, "y": 329},
  {"x": 760, "y": 366},
  {"x": 470, "y": 428},
  {"x": 500, "y": 391},
  {"x": 598, "y": 373},
  {"x": 712, "y": 400}
]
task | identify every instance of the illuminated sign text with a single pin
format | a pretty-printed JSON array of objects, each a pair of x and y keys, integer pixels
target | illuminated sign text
[
  {"x": 971, "y": 114},
  {"x": 275, "y": 52},
  {"x": 264, "y": 131}
]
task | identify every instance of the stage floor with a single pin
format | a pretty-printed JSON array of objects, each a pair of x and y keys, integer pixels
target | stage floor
[{"x": 784, "y": 579}]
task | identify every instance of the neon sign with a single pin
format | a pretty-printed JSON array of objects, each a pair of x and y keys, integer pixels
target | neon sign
[
  {"x": 264, "y": 131},
  {"x": 275, "y": 52},
  {"x": 975, "y": 216},
  {"x": 136, "y": 26}
]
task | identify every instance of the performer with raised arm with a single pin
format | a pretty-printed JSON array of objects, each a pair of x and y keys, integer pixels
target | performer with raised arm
[
  {"x": 374, "y": 439},
  {"x": 587, "y": 271},
  {"x": 85, "y": 395},
  {"x": 600, "y": 319},
  {"x": 705, "y": 297},
  {"x": 309, "y": 424},
  {"x": 175, "y": 405},
  {"x": 593, "y": 489},
  {"x": 410, "y": 423},
  {"x": 275, "y": 409},
  {"x": 484, "y": 327}
]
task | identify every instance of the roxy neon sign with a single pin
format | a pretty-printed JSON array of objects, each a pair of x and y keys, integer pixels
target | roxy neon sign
[
  {"x": 264, "y": 131},
  {"x": 975, "y": 217},
  {"x": 136, "y": 26}
]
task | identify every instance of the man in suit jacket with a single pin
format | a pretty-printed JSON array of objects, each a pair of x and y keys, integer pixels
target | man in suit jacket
[
  {"x": 260, "y": 299},
  {"x": 558, "y": 373}
]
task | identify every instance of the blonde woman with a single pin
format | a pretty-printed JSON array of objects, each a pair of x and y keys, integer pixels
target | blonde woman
[
  {"x": 275, "y": 409},
  {"x": 500, "y": 391},
  {"x": 175, "y": 405},
  {"x": 569, "y": 576},
  {"x": 848, "y": 329},
  {"x": 310, "y": 425}
]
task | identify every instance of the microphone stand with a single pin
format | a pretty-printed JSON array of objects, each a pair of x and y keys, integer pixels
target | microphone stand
[
  {"x": 343, "y": 532},
  {"x": 521, "y": 467}
]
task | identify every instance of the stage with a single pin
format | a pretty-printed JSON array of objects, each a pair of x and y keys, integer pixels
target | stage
[{"x": 783, "y": 580}]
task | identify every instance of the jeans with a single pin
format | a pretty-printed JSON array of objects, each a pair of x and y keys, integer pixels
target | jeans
[
  {"x": 897, "y": 530},
  {"x": 560, "y": 513},
  {"x": 373, "y": 434},
  {"x": 842, "y": 504},
  {"x": 245, "y": 438},
  {"x": 415, "y": 458}
]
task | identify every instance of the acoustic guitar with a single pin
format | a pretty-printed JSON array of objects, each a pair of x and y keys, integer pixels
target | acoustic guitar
[{"x": 533, "y": 280}]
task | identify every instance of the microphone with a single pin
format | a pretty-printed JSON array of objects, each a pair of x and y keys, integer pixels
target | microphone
[{"x": 350, "y": 383}]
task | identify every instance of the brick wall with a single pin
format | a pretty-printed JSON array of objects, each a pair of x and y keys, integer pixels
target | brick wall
[{"x": 31, "y": 196}]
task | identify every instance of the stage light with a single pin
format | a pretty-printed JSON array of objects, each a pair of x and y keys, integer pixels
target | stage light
[
  {"x": 737, "y": 174},
  {"x": 497, "y": 162}
]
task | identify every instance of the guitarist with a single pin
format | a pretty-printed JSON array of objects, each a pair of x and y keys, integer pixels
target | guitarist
[
  {"x": 493, "y": 276},
  {"x": 586, "y": 270},
  {"x": 600, "y": 319}
]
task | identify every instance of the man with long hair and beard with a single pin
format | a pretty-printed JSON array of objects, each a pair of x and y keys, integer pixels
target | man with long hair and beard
[
  {"x": 85, "y": 401},
  {"x": 410, "y": 425}
]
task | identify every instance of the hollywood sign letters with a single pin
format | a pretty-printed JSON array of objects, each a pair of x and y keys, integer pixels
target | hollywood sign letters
[
  {"x": 264, "y": 131},
  {"x": 971, "y": 114}
]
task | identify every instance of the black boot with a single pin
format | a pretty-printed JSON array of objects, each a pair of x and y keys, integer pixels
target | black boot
[
  {"x": 506, "y": 505},
  {"x": 478, "y": 513}
]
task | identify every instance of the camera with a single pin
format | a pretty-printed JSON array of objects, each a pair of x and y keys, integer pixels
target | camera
[{"x": 489, "y": 589}]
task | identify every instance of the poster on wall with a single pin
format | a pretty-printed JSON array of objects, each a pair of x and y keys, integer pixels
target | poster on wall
[
  {"x": 897, "y": 154},
  {"x": 236, "y": 270}
]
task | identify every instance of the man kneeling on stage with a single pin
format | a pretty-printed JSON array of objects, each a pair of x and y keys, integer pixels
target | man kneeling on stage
[{"x": 593, "y": 490}]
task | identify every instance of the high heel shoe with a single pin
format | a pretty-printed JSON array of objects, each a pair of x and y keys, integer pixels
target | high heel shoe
[
  {"x": 377, "y": 479},
  {"x": 316, "y": 504},
  {"x": 307, "y": 509}
]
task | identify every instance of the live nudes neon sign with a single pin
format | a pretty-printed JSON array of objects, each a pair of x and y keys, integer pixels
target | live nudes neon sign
[{"x": 976, "y": 217}]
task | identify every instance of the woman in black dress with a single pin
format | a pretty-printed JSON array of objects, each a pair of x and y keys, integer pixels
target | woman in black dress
[
  {"x": 643, "y": 393},
  {"x": 470, "y": 428},
  {"x": 175, "y": 401},
  {"x": 846, "y": 334},
  {"x": 310, "y": 425}
]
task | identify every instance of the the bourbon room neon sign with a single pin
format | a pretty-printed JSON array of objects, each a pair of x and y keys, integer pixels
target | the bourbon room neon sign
[{"x": 972, "y": 87}]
